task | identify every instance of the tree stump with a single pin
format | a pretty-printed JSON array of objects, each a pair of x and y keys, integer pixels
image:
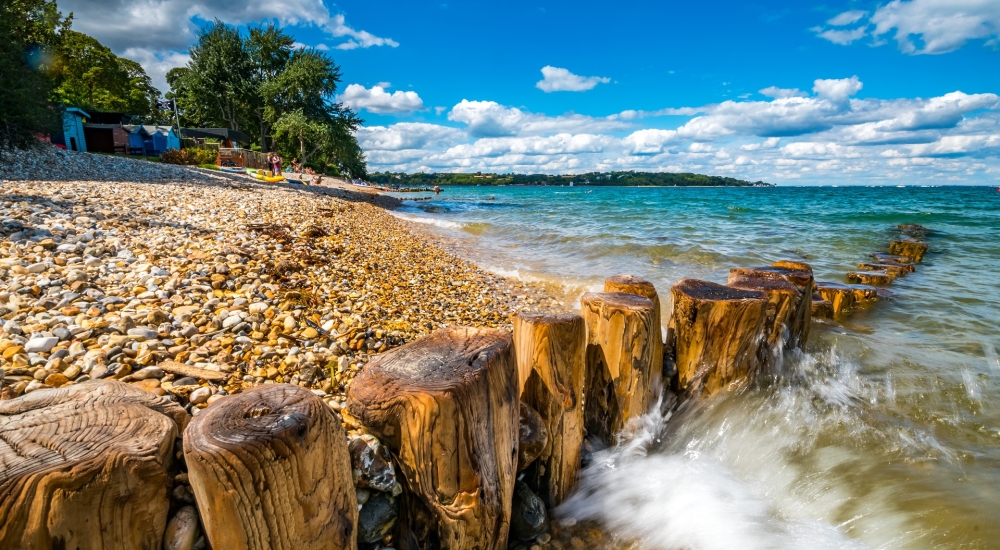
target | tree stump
[
  {"x": 551, "y": 360},
  {"x": 892, "y": 258},
  {"x": 716, "y": 333},
  {"x": 85, "y": 466},
  {"x": 870, "y": 277},
  {"x": 844, "y": 298},
  {"x": 269, "y": 468},
  {"x": 894, "y": 270},
  {"x": 628, "y": 284},
  {"x": 781, "y": 316},
  {"x": 821, "y": 308},
  {"x": 914, "y": 250},
  {"x": 447, "y": 406},
  {"x": 624, "y": 371},
  {"x": 800, "y": 275}
]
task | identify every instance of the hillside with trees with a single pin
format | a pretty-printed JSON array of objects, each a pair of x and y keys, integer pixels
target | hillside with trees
[{"x": 623, "y": 178}]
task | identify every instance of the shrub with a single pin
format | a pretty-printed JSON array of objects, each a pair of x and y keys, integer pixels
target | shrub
[
  {"x": 201, "y": 156},
  {"x": 190, "y": 157},
  {"x": 173, "y": 156}
]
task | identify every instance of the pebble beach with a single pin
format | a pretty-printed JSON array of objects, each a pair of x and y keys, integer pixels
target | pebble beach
[{"x": 113, "y": 267}]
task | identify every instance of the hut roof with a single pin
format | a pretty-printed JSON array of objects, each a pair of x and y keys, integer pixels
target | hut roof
[{"x": 224, "y": 133}]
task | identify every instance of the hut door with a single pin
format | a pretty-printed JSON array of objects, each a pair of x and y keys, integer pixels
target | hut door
[{"x": 72, "y": 143}]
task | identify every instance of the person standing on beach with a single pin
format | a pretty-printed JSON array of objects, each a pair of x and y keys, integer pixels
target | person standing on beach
[{"x": 277, "y": 165}]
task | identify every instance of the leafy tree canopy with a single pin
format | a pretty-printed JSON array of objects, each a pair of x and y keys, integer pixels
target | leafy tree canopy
[{"x": 283, "y": 97}]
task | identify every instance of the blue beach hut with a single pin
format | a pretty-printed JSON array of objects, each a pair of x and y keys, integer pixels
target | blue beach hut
[
  {"x": 163, "y": 138},
  {"x": 72, "y": 130},
  {"x": 138, "y": 140}
]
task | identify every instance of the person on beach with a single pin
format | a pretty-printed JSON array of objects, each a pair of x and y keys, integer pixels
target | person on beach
[
  {"x": 270, "y": 161},
  {"x": 316, "y": 179},
  {"x": 277, "y": 164}
]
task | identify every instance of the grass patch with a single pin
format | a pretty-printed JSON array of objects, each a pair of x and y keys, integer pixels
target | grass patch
[{"x": 208, "y": 166}]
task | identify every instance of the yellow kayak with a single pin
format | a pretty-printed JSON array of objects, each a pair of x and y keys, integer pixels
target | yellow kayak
[{"x": 269, "y": 179}]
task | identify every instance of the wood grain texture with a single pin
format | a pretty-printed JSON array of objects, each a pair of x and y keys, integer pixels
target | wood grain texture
[
  {"x": 551, "y": 353},
  {"x": 781, "y": 315},
  {"x": 716, "y": 333},
  {"x": 269, "y": 468},
  {"x": 914, "y": 250},
  {"x": 173, "y": 367},
  {"x": 447, "y": 406},
  {"x": 845, "y": 298},
  {"x": 799, "y": 274},
  {"x": 86, "y": 466},
  {"x": 624, "y": 372}
]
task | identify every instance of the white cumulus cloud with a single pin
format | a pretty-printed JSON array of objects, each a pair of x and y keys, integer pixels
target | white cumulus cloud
[
  {"x": 791, "y": 137},
  {"x": 920, "y": 26},
  {"x": 379, "y": 101},
  {"x": 157, "y": 30},
  {"x": 561, "y": 80}
]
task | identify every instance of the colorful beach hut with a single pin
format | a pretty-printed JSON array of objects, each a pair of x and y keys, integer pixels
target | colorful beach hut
[
  {"x": 139, "y": 140},
  {"x": 163, "y": 138},
  {"x": 72, "y": 136}
]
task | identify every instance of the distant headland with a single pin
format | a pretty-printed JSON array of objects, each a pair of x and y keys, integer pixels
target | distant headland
[{"x": 626, "y": 178}]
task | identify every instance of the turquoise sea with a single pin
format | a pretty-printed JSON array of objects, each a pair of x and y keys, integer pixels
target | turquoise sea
[{"x": 885, "y": 433}]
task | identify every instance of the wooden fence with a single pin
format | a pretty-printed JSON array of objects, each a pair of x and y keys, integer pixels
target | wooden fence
[{"x": 242, "y": 157}]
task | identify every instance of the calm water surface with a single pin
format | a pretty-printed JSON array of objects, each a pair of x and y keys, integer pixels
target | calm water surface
[{"x": 884, "y": 434}]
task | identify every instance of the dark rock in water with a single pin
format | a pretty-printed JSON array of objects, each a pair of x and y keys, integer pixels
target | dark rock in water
[
  {"x": 527, "y": 515},
  {"x": 376, "y": 518},
  {"x": 532, "y": 436},
  {"x": 869, "y": 277},
  {"x": 372, "y": 464},
  {"x": 914, "y": 250}
]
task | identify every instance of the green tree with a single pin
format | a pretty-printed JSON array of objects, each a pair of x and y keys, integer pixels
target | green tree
[
  {"x": 89, "y": 75},
  {"x": 269, "y": 50},
  {"x": 217, "y": 81},
  {"x": 28, "y": 30}
]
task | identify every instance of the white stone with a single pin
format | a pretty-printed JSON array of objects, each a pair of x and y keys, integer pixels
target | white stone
[
  {"x": 42, "y": 344},
  {"x": 200, "y": 395}
]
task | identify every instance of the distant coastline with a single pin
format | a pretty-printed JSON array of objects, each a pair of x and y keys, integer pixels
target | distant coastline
[{"x": 609, "y": 179}]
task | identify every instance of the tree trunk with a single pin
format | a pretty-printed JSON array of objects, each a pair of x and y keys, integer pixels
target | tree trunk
[
  {"x": 821, "y": 308},
  {"x": 447, "y": 406},
  {"x": 624, "y": 373},
  {"x": 269, "y": 468},
  {"x": 86, "y": 466},
  {"x": 844, "y": 298},
  {"x": 799, "y": 274},
  {"x": 914, "y": 250},
  {"x": 551, "y": 353},
  {"x": 893, "y": 269},
  {"x": 781, "y": 316},
  {"x": 716, "y": 332},
  {"x": 880, "y": 278}
]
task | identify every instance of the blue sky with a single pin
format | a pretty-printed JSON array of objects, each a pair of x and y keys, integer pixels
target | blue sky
[{"x": 788, "y": 92}]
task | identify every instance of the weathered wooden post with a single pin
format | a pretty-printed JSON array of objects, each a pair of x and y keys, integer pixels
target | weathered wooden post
[
  {"x": 270, "y": 469},
  {"x": 551, "y": 353},
  {"x": 447, "y": 406},
  {"x": 716, "y": 332},
  {"x": 623, "y": 369},
  {"x": 86, "y": 466}
]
